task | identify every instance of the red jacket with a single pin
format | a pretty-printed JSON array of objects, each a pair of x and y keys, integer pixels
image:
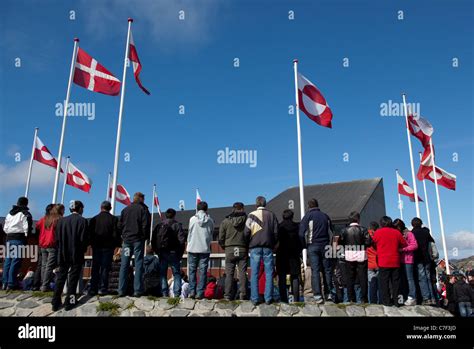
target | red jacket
[
  {"x": 372, "y": 254},
  {"x": 210, "y": 291},
  {"x": 47, "y": 237},
  {"x": 388, "y": 242}
]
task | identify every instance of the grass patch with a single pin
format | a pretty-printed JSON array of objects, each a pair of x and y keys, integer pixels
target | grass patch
[
  {"x": 173, "y": 301},
  {"x": 41, "y": 294},
  {"x": 298, "y": 304},
  {"x": 130, "y": 306},
  {"x": 111, "y": 307},
  {"x": 152, "y": 298}
]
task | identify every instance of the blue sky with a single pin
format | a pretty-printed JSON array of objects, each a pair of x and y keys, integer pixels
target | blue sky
[{"x": 191, "y": 62}]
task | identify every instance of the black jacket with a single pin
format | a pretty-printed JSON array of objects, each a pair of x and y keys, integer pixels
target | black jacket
[
  {"x": 134, "y": 223},
  {"x": 72, "y": 238},
  {"x": 315, "y": 228},
  {"x": 232, "y": 229},
  {"x": 462, "y": 292},
  {"x": 423, "y": 238},
  {"x": 261, "y": 229},
  {"x": 355, "y": 235},
  {"x": 289, "y": 243},
  {"x": 104, "y": 231},
  {"x": 176, "y": 240}
]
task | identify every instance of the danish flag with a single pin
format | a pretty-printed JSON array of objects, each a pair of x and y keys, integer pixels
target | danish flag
[
  {"x": 137, "y": 66},
  {"x": 78, "y": 179},
  {"x": 121, "y": 195},
  {"x": 405, "y": 189},
  {"x": 43, "y": 155},
  {"x": 93, "y": 76},
  {"x": 421, "y": 129},
  {"x": 312, "y": 103}
]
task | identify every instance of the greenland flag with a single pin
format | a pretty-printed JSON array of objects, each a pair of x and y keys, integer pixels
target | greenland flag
[
  {"x": 421, "y": 129},
  {"x": 312, "y": 102},
  {"x": 444, "y": 178},
  {"x": 405, "y": 189},
  {"x": 121, "y": 195},
  {"x": 156, "y": 202},
  {"x": 43, "y": 155},
  {"x": 198, "y": 197},
  {"x": 77, "y": 179},
  {"x": 426, "y": 164}
]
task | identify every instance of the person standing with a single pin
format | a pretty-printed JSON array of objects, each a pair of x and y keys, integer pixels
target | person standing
[
  {"x": 168, "y": 241},
  {"x": 232, "y": 240},
  {"x": 389, "y": 241},
  {"x": 72, "y": 238},
  {"x": 134, "y": 225},
  {"x": 373, "y": 268},
  {"x": 18, "y": 225},
  {"x": 463, "y": 296},
  {"x": 315, "y": 233},
  {"x": 201, "y": 228},
  {"x": 261, "y": 230},
  {"x": 105, "y": 237},
  {"x": 37, "y": 278},
  {"x": 288, "y": 256}
]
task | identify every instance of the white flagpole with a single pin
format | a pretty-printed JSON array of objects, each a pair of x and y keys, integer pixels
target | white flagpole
[
  {"x": 119, "y": 126},
  {"x": 30, "y": 167},
  {"x": 197, "y": 191},
  {"x": 426, "y": 202},
  {"x": 152, "y": 208},
  {"x": 300, "y": 156},
  {"x": 400, "y": 202},
  {"x": 107, "y": 196},
  {"x": 441, "y": 223},
  {"x": 65, "y": 179},
  {"x": 411, "y": 157},
  {"x": 63, "y": 130}
]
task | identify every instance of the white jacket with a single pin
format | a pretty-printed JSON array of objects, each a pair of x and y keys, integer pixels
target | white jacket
[{"x": 17, "y": 223}]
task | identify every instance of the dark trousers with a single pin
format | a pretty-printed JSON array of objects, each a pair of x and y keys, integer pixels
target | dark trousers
[
  {"x": 49, "y": 258},
  {"x": 295, "y": 287},
  {"x": 352, "y": 270},
  {"x": 38, "y": 275},
  {"x": 389, "y": 276},
  {"x": 235, "y": 257},
  {"x": 101, "y": 265},
  {"x": 70, "y": 272}
]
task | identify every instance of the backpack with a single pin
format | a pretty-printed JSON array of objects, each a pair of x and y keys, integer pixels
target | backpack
[
  {"x": 163, "y": 237},
  {"x": 433, "y": 251}
]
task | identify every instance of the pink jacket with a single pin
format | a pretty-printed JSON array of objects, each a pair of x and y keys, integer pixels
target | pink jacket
[{"x": 407, "y": 252}]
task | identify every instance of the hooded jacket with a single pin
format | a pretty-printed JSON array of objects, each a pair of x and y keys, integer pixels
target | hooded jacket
[
  {"x": 408, "y": 251},
  {"x": 423, "y": 239},
  {"x": 232, "y": 229},
  {"x": 200, "y": 231},
  {"x": 18, "y": 223}
]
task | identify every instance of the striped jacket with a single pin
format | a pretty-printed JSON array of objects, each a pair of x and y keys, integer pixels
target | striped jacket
[{"x": 261, "y": 228}]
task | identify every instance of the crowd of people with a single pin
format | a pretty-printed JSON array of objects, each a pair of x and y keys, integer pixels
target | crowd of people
[{"x": 386, "y": 263}]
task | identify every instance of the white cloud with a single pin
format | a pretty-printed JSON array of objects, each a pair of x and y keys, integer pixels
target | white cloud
[
  {"x": 13, "y": 177},
  {"x": 462, "y": 240}
]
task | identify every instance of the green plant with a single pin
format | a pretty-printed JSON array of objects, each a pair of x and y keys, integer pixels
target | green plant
[
  {"x": 41, "y": 294},
  {"x": 111, "y": 307},
  {"x": 173, "y": 301}
]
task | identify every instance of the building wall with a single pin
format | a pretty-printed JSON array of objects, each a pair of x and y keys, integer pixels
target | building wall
[{"x": 375, "y": 207}]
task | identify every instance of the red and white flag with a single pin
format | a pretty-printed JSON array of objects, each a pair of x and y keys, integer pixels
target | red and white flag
[
  {"x": 444, "y": 178},
  {"x": 78, "y": 179},
  {"x": 312, "y": 102},
  {"x": 156, "y": 202},
  {"x": 93, "y": 76},
  {"x": 198, "y": 197},
  {"x": 426, "y": 164},
  {"x": 405, "y": 189},
  {"x": 137, "y": 66},
  {"x": 43, "y": 155},
  {"x": 421, "y": 129},
  {"x": 121, "y": 195}
]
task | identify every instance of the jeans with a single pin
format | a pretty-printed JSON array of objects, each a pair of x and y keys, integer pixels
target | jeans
[
  {"x": 317, "y": 258},
  {"x": 389, "y": 277},
  {"x": 172, "y": 259},
  {"x": 137, "y": 250},
  {"x": 408, "y": 269},
  {"x": 374, "y": 290},
  {"x": 49, "y": 258},
  {"x": 195, "y": 261},
  {"x": 256, "y": 256},
  {"x": 424, "y": 279},
  {"x": 11, "y": 266},
  {"x": 465, "y": 309},
  {"x": 235, "y": 257},
  {"x": 70, "y": 272},
  {"x": 101, "y": 265},
  {"x": 352, "y": 270}
]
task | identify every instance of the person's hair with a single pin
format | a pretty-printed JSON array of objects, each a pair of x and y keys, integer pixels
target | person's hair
[
  {"x": 260, "y": 201},
  {"x": 48, "y": 208},
  {"x": 138, "y": 197},
  {"x": 76, "y": 206},
  {"x": 54, "y": 215},
  {"x": 106, "y": 206},
  {"x": 211, "y": 279},
  {"x": 238, "y": 206},
  {"x": 288, "y": 214},
  {"x": 170, "y": 213},
  {"x": 399, "y": 224},
  {"x": 354, "y": 217},
  {"x": 386, "y": 221},
  {"x": 373, "y": 225},
  {"x": 416, "y": 222},
  {"x": 313, "y": 203},
  {"x": 202, "y": 206},
  {"x": 22, "y": 201}
]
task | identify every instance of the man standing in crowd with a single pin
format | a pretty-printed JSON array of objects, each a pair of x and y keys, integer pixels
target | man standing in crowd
[
  {"x": 168, "y": 242},
  {"x": 316, "y": 234},
  {"x": 373, "y": 268},
  {"x": 72, "y": 239},
  {"x": 104, "y": 237},
  {"x": 232, "y": 240},
  {"x": 355, "y": 239},
  {"x": 201, "y": 228},
  {"x": 262, "y": 232},
  {"x": 388, "y": 243},
  {"x": 18, "y": 225},
  {"x": 134, "y": 224}
]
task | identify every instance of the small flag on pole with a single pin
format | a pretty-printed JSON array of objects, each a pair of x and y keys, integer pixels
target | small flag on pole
[
  {"x": 421, "y": 129},
  {"x": 198, "y": 197},
  {"x": 76, "y": 178},
  {"x": 137, "y": 66},
  {"x": 121, "y": 195},
  {"x": 43, "y": 155},
  {"x": 405, "y": 189},
  {"x": 156, "y": 202}
]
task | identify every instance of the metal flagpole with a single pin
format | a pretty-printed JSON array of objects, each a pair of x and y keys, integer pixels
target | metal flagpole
[
  {"x": 107, "y": 196},
  {"x": 119, "y": 126},
  {"x": 152, "y": 208},
  {"x": 63, "y": 130},
  {"x": 426, "y": 202},
  {"x": 65, "y": 179},
  {"x": 300, "y": 157},
  {"x": 417, "y": 204},
  {"x": 400, "y": 202},
  {"x": 30, "y": 167},
  {"x": 441, "y": 223}
]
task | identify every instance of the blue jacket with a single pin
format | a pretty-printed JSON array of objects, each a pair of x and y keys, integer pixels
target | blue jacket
[{"x": 315, "y": 228}]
